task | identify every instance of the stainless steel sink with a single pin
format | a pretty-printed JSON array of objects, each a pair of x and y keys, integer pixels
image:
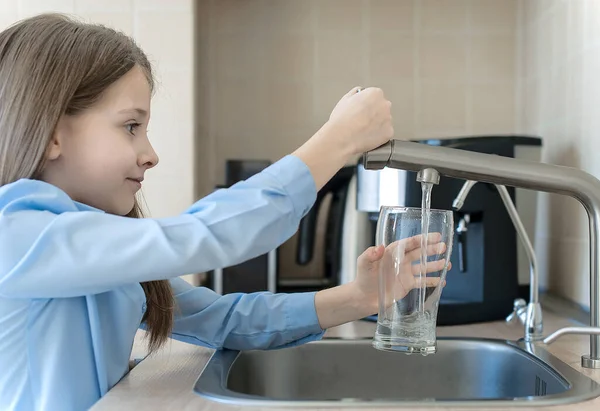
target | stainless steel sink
[{"x": 336, "y": 372}]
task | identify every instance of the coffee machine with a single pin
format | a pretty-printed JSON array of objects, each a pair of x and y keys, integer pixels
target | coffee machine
[{"x": 489, "y": 265}]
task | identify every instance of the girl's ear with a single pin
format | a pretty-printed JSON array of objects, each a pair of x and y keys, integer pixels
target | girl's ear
[{"x": 55, "y": 148}]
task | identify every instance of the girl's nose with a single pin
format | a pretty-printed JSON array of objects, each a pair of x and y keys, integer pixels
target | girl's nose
[{"x": 148, "y": 158}]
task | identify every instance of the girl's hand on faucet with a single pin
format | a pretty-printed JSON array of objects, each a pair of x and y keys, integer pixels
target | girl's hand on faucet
[
  {"x": 360, "y": 121},
  {"x": 364, "y": 119}
]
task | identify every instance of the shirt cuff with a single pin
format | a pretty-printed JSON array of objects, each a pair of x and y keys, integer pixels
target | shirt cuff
[
  {"x": 301, "y": 314},
  {"x": 297, "y": 181}
]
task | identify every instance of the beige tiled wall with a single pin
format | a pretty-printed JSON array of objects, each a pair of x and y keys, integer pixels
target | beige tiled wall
[
  {"x": 164, "y": 29},
  {"x": 272, "y": 70},
  {"x": 279, "y": 66},
  {"x": 559, "y": 87}
]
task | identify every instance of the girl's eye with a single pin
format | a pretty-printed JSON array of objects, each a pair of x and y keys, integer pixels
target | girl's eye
[{"x": 132, "y": 127}]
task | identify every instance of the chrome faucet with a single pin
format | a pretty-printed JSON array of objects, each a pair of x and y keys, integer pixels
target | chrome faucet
[
  {"x": 508, "y": 171},
  {"x": 530, "y": 314}
]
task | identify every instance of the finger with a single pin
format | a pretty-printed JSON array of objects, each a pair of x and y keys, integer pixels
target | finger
[
  {"x": 432, "y": 267},
  {"x": 369, "y": 257},
  {"x": 411, "y": 243},
  {"x": 415, "y": 242},
  {"x": 404, "y": 246},
  {"x": 429, "y": 282},
  {"x": 373, "y": 254},
  {"x": 432, "y": 249}
]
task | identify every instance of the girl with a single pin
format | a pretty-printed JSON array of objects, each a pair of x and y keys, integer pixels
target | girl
[{"x": 80, "y": 271}]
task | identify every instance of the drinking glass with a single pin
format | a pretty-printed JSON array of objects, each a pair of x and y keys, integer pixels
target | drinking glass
[{"x": 411, "y": 280}]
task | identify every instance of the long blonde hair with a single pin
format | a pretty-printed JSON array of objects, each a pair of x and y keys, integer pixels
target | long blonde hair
[{"x": 52, "y": 65}]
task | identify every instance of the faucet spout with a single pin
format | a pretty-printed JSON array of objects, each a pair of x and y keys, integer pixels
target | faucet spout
[
  {"x": 468, "y": 165},
  {"x": 428, "y": 175}
]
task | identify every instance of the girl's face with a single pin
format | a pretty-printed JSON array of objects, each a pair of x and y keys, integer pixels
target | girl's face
[{"x": 99, "y": 156}]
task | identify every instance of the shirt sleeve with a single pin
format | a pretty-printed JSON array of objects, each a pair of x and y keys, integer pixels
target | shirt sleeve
[
  {"x": 243, "y": 321},
  {"x": 49, "y": 248}
]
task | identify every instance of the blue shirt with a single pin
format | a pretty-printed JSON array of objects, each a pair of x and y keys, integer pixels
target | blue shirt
[{"x": 70, "y": 298}]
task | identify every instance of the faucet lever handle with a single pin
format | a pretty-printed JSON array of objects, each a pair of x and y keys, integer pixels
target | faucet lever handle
[{"x": 519, "y": 311}]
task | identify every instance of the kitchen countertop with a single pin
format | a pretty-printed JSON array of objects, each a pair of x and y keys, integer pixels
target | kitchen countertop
[{"x": 164, "y": 381}]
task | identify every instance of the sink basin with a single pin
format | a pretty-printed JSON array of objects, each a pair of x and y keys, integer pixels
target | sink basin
[{"x": 338, "y": 372}]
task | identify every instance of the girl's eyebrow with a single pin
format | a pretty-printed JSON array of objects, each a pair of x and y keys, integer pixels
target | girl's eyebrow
[{"x": 139, "y": 111}]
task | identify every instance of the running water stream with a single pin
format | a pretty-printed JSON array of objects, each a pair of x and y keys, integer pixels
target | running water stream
[{"x": 425, "y": 214}]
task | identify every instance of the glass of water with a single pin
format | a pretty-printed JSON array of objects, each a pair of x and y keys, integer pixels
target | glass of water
[{"x": 412, "y": 274}]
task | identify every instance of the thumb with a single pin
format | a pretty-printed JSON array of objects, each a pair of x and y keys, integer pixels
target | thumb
[{"x": 369, "y": 257}]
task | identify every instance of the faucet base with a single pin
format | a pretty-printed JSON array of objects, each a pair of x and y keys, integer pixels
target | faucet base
[
  {"x": 589, "y": 362},
  {"x": 533, "y": 338}
]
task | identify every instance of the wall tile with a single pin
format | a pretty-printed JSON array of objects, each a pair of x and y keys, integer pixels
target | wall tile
[
  {"x": 546, "y": 43},
  {"x": 391, "y": 55},
  {"x": 443, "y": 57},
  {"x": 290, "y": 105},
  {"x": 172, "y": 43},
  {"x": 8, "y": 15},
  {"x": 240, "y": 108},
  {"x": 118, "y": 21},
  {"x": 290, "y": 56},
  {"x": 391, "y": 15},
  {"x": 31, "y": 7},
  {"x": 493, "y": 15},
  {"x": 530, "y": 101},
  {"x": 529, "y": 11},
  {"x": 170, "y": 128},
  {"x": 575, "y": 26},
  {"x": 544, "y": 6},
  {"x": 560, "y": 16},
  {"x": 238, "y": 15},
  {"x": 239, "y": 55},
  {"x": 531, "y": 53},
  {"x": 104, "y": 6},
  {"x": 575, "y": 87},
  {"x": 443, "y": 15},
  {"x": 493, "y": 108},
  {"x": 493, "y": 57},
  {"x": 171, "y": 5},
  {"x": 570, "y": 259},
  {"x": 591, "y": 19},
  {"x": 290, "y": 15},
  {"x": 442, "y": 110},
  {"x": 340, "y": 15},
  {"x": 340, "y": 54},
  {"x": 8, "y": 6}
]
